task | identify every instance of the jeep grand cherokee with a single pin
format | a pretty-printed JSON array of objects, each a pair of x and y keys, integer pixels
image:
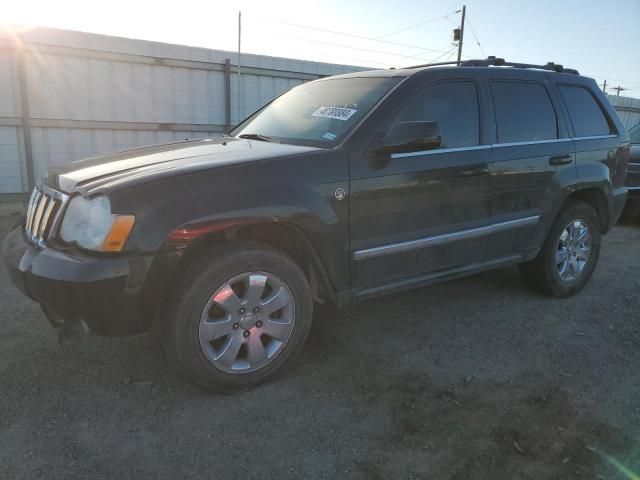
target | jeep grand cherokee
[{"x": 339, "y": 190}]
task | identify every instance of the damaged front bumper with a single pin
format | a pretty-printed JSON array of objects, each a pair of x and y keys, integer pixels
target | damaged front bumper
[{"x": 102, "y": 294}]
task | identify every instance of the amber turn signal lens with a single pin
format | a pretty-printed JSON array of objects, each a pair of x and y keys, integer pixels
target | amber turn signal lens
[{"x": 119, "y": 233}]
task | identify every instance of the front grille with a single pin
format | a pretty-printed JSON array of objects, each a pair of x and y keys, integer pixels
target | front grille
[{"x": 43, "y": 212}]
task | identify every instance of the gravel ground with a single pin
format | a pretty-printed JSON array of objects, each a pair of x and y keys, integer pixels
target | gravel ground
[{"x": 472, "y": 379}]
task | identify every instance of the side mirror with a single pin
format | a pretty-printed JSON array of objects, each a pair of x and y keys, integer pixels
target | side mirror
[{"x": 411, "y": 137}]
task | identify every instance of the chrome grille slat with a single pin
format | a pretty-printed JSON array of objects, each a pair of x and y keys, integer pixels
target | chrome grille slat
[
  {"x": 43, "y": 213},
  {"x": 37, "y": 216},
  {"x": 30, "y": 208},
  {"x": 33, "y": 211},
  {"x": 44, "y": 220}
]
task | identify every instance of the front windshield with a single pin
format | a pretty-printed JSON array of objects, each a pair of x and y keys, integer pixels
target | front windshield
[
  {"x": 634, "y": 134},
  {"x": 316, "y": 113}
]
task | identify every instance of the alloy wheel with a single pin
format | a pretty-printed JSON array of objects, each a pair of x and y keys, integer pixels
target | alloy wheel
[
  {"x": 573, "y": 250},
  {"x": 247, "y": 322}
]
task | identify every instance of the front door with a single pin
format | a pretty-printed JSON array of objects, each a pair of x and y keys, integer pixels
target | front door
[{"x": 423, "y": 212}]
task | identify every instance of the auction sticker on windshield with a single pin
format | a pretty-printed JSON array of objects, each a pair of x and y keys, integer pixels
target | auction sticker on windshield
[{"x": 338, "y": 113}]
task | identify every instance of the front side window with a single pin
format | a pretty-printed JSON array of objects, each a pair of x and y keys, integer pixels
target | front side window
[
  {"x": 587, "y": 117},
  {"x": 317, "y": 113},
  {"x": 453, "y": 105},
  {"x": 524, "y": 112}
]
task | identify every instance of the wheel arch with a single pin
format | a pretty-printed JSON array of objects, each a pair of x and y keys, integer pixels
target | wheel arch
[
  {"x": 596, "y": 198},
  {"x": 284, "y": 237}
]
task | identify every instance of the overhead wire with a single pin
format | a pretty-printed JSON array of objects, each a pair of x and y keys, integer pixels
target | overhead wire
[
  {"x": 475, "y": 36},
  {"x": 445, "y": 51},
  {"x": 341, "y": 45},
  {"x": 416, "y": 25},
  {"x": 351, "y": 35}
]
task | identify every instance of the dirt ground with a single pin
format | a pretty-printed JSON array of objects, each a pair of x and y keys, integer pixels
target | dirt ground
[{"x": 472, "y": 379}]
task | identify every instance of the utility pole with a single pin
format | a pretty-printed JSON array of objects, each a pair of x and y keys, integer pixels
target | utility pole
[
  {"x": 618, "y": 89},
  {"x": 464, "y": 11},
  {"x": 604, "y": 87},
  {"x": 239, "y": 39}
]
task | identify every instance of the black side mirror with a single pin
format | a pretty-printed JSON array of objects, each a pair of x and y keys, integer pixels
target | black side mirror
[{"x": 411, "y": 137}]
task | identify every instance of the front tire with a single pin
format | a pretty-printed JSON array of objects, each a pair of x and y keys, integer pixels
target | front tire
[
  {"x": 569, "y": 255},
  {"x": 238, "y": 317}
]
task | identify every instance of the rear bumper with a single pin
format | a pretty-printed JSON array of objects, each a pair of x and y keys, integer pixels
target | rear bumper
[
  {"x": 107, "y": 293},
  {"x": 619, "y": 199}
]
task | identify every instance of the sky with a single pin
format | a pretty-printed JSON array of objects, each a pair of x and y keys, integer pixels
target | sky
[{"x": 601, "y": 39}]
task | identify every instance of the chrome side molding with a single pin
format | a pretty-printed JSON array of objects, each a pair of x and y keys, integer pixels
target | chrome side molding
[
  {"x": 444, "y": 238},
  {"x": 497, "y": 145}
]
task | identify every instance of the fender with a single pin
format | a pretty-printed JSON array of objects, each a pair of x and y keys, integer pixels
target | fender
[{"x": 290, "y": 192}]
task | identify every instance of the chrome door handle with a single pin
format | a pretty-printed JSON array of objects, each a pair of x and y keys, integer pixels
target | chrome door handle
[
  {"x": 472, "y": 172},
  {"x": 560, "y": 159}
]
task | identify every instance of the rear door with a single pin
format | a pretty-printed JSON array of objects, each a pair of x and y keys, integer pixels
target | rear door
[
  {"x": 598, "y": 146},
  {"x": 532, "y": 159}
]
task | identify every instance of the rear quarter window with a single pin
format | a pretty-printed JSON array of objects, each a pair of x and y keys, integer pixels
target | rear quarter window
[{"x": 585, "y": 112}]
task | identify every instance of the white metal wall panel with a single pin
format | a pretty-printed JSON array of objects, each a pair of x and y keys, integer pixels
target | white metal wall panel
[
  {"x": 628, "y": 109},
  {"x": 629, "y": 119},
  {"x": 9, "y": 89},
  {"x": 89, "y": 89},
  {"x": 10, "y": 160},
  {"x": 156, "y": 49}
]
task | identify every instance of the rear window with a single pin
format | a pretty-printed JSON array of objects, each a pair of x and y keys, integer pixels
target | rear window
[
  {"x": 524, "y": 112},
  {"x": 587, "y": 117}
]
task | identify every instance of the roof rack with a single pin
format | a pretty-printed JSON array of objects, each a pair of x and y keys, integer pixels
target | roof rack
[{"x": 501, "y": 62}]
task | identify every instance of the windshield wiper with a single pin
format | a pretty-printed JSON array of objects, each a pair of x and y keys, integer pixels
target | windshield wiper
[{"x": 256, "y": 136}]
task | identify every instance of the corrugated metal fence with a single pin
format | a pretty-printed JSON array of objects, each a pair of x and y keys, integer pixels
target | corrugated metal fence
[
  {"x": 67, "y": 95},
  {"x": 627, "y": 108}
]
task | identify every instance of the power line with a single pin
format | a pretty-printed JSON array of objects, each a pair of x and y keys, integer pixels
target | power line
[
  {"x": 335, "y": 32},
  {"x": 446, "y": 54},
  {"x": 628, "y": 86},
  {"x": 416, "y": 25},
  {"x": 342, "y": 45},
  {"x": 475, "y": 36},
  {"x": 614, "y": 79},
  {"x": 361, "y": 62}
]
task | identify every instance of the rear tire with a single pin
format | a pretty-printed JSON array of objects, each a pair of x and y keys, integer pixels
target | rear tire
[
  {"x": 238, "y": 317},
  {"x": 569, "y": 255}
]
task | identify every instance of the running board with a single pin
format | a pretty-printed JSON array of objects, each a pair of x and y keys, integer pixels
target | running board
[{"x": 435, "y": 277}]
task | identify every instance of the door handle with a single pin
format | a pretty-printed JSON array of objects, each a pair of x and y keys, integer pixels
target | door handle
[
  {"x": 560, "y": 159},
  {"x": 472, "y": 172}
]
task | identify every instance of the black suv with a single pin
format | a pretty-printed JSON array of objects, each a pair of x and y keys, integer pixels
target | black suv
[
  {"x": 339, "y": 190},
  {"x": 633, "y": 176}
]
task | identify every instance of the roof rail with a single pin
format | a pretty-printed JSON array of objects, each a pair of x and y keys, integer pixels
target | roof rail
[{"x": 501, "y": 62}]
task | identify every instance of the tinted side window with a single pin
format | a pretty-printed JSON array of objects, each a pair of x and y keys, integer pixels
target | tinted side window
[
  {"x": 524, "y": 112},
  {"x": 454, "y": 105},
  {"x": 586, "y": 115}
]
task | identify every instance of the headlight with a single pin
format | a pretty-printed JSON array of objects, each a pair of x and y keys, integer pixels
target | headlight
[{"x": 89, "y": 223}]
